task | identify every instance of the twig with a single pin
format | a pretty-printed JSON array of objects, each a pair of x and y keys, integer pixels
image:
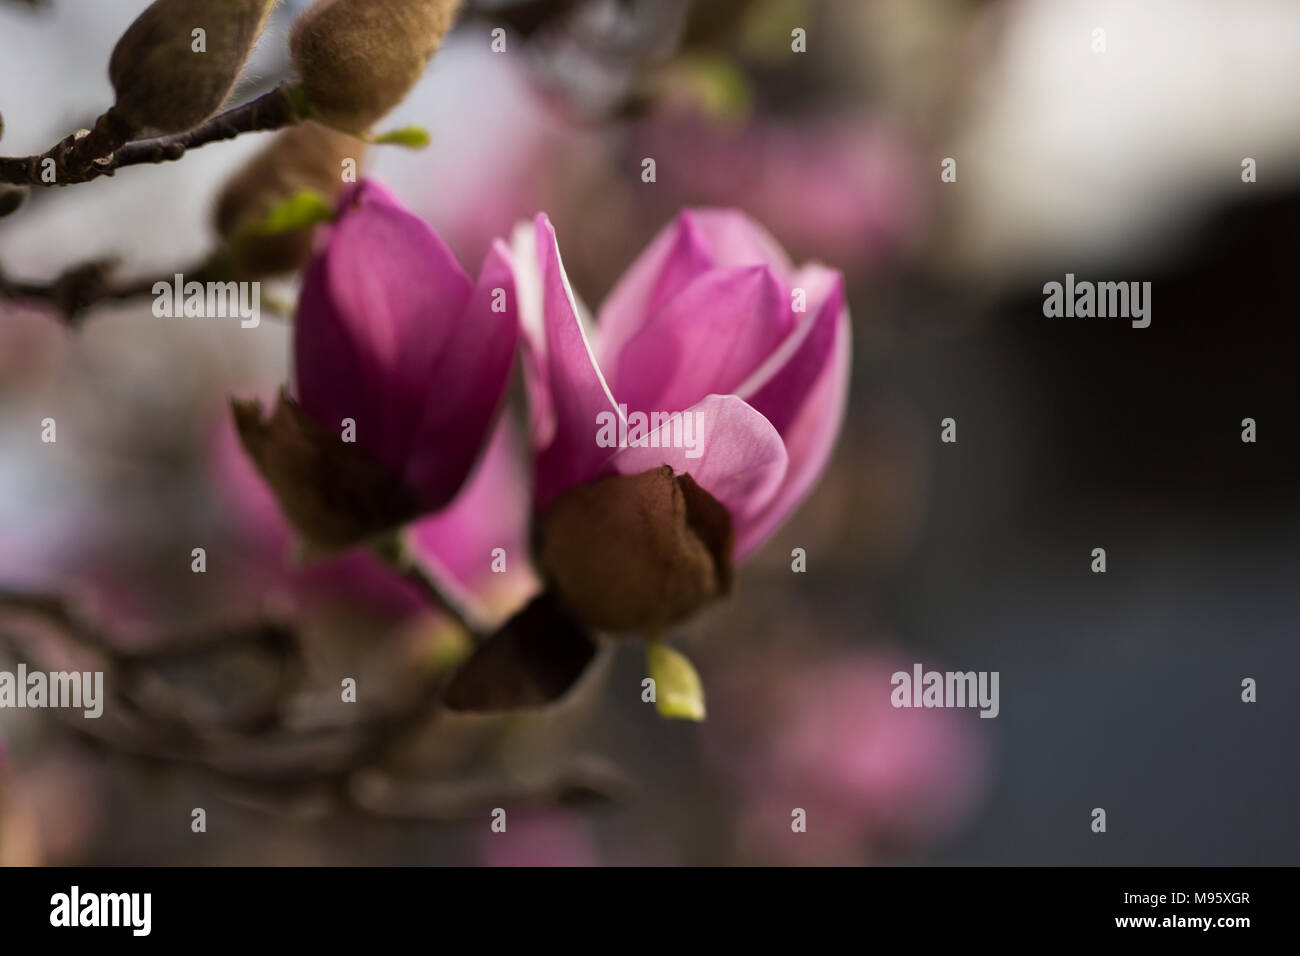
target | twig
[
  {"x": 280, "y": 768},
  {"x": 59, "y": 612},
  {"x": 583, "y": 778},
  {"x": 89, "y": 154},
  {"x": 80, "y": 288}
]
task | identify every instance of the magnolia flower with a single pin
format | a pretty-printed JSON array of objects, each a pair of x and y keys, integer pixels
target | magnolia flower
[
  {"x": 402, "y": 356},
  {"x": 393, "y": 334},
  {"x": 711, "y": 321}
]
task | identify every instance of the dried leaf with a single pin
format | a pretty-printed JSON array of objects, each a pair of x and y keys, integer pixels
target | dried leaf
[
  {"x": 330, "y": 491},
  {"x": 536, "y": 657}
]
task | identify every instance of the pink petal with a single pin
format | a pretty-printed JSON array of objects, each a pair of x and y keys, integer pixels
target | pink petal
[
  {"x": 809, "y": 426},
  {"x": 377, "y": 308},
  {"x": 369, "y": 192},
  {"x": 737, "y": 456},
  {"x": 491, "y": 511},
  {"x": 696, "y": 241},
  {"x": 733, "y": 239},
  {"x": 465, "y": 385},
  {"x": 674, "y": 257},
  {"x": 781, "y": 384},
  {"x": 707, "y": 338},
  {"x": 566, "y": 388}
]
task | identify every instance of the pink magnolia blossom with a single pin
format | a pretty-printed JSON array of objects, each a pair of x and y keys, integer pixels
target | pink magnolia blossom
[
  {"x": 394, "y": 335},
  {"x": 713, "y": 320}
]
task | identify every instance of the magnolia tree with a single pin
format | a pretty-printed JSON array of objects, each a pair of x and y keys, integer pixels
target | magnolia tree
[{"x": 645, "y": 455}]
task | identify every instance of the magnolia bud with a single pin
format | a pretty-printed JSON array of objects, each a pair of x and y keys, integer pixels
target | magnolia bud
[
  {"x": 168, "y": 75},
  {"x": 359, "y": 58},
  {"x": 305, "y": 156}
]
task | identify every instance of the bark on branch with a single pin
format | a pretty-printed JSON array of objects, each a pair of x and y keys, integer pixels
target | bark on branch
[{"x": 88, "y": 154}]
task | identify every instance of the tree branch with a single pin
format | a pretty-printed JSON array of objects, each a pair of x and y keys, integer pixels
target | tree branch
[
  {"x": 585, "y": 778},
  {"x": 89, "y": 154},
  {"x": 78, "y": 288},
  {"x": 272, "y": 764}
]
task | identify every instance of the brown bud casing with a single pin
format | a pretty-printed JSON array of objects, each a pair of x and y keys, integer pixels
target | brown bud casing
[
  {"x": 331, "y": 493},
  {"x": 636, "y": 552},
  {"x": 162, "y": 82},
  {"x": 305, "y": 156},
  {"x": 359, "y": 58}
]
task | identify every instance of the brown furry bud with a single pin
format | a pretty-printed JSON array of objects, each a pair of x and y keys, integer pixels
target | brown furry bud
[
  {"x": 306, "y": 156},
  {"x": 359, "y": 58},
  {"x": 162, "y": 80}
]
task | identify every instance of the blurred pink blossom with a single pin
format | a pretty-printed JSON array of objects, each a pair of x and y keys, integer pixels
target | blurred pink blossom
[
  {"x": 822, "y": 735},
  {"x": 841, "y": 187},
  {"x": 541, "y": 838}
]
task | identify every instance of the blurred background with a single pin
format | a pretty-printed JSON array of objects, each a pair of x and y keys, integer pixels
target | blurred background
[{"x": 1119, "y": 690}]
